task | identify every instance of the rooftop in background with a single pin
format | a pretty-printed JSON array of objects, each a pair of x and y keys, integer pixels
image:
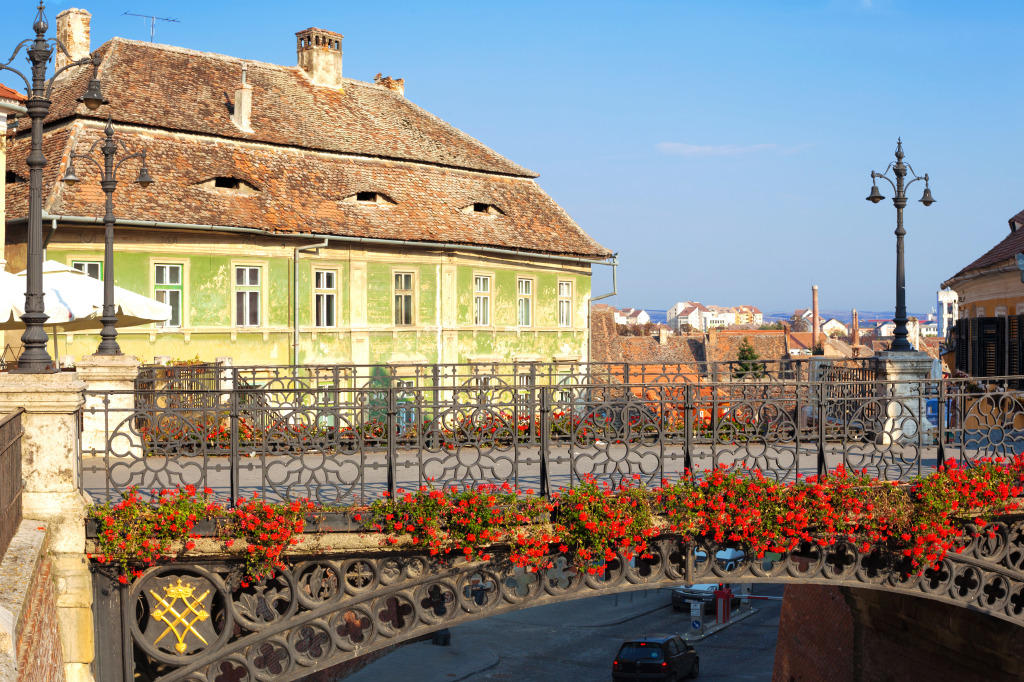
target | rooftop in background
[{"x": 8, "y": 94}]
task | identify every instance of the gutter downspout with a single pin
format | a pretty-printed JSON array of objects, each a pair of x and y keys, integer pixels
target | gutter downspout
[
  {"x": 615, "y": 289},
  {"x": 295, "y": 295},
  {"x": 82, "y": 220}
]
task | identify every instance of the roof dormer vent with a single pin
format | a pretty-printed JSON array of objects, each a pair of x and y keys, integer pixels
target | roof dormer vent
[
  {"x": 230, "y": 184},
  {"x": 484, "y": 208},
  {"x": 241, "y": 116},
  {"x": 369, "y": 197}
]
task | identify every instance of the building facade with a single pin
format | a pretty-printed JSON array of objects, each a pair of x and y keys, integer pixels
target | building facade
[{"x": 299, "y": 216}]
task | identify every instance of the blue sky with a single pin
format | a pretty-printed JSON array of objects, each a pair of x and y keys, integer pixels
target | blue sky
[{"x": 723, "y": 149}]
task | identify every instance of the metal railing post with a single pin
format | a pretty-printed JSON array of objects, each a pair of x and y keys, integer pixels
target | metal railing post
[
  {"x": 822, "y": 423},
  {"x": 435, "y": 375},
  {"x": 545, "y": 440},
  {"x": 941, "y": 426},
  {"x": 234, "y": 455},
  {"x": 392, "y": 438},
  {"x": 689, "y": 417}
]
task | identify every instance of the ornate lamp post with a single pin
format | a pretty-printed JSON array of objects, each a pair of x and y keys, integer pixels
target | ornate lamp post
[
  {"x": 34, "y": 358},
  {"x": 108, "y": 181},
  {"x": 900, "y": 169}
]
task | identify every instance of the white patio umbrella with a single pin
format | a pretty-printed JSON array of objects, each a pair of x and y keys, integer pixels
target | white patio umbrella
[
  {"x": 61, "y": 311},
  {"x": 82, "y": 296}
]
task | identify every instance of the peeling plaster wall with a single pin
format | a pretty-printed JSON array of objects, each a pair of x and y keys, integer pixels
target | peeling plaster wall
[{"x": 443, "y": 329}]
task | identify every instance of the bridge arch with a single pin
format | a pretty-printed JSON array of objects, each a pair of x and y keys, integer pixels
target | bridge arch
[{"x": 199, "y": 622}]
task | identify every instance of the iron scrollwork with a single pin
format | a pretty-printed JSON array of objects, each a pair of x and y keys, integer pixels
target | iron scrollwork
[{"x": 190, "y": 622}]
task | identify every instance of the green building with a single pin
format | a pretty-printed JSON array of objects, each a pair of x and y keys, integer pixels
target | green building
[{"x": 299, "y": 216}]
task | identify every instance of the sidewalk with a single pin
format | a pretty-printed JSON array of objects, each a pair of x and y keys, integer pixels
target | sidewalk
[{"x": 469, "y": 654}]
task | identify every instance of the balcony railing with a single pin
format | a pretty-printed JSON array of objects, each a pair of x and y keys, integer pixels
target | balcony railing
[{"x": 343, "y": 438}]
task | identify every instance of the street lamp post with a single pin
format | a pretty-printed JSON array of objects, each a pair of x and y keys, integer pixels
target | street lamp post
[
  {"x": 34, "y": 358},
  {"x": 108, "y": 181},
  {"x": 900, "y": 170}
]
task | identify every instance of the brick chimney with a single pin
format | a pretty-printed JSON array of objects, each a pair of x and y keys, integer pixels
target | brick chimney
[
  {"x": 393, "y": 84},
  {"x": 814, "y": 316},
  {"x": 73, "y": 32},
  {"x": 319, "y": 54},
  {"x": 243, "y": 103},
  {"x": 856, "y": 328}
]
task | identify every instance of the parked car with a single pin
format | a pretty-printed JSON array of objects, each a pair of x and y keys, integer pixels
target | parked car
[
  {"x": 704, "y": 593},
  {"x": 727, "y": 558},
  {"x": 655, "y": 657}
]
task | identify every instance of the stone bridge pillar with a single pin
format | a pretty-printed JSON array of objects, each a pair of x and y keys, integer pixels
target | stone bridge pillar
[
  {"x": 904, "y": 417},
  {"x": 116, "y": 373},
  {"x": 50, "y": 469}
]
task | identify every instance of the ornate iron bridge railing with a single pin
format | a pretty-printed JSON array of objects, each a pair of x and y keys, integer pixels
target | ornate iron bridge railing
[
  {"x": 197, "y": 622},
  {"x": 11, "y": 483},
  {"x": 342, "y": 439}
]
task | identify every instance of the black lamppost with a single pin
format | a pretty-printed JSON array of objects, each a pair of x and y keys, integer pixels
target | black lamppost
[
  {"x": 34, "y": 359},
  {"x": 108, "y": 181},
  {"x": 900, "y": 169}
]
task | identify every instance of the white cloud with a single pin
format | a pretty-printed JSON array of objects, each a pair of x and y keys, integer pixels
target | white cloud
[{"x": 684, "y": 149}]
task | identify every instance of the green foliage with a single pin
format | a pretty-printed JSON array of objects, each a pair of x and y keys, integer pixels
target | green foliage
[{"x": 747, "y": 366}]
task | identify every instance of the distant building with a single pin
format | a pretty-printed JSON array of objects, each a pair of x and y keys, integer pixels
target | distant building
[
  {"x": 833, "y": 327},
  {"x": 748, "y": 314},
  {"x": 632, "y": 316},
  {"x": 717, "y": 317},
  {"x": 949, "y": 310},
  {"x": 685, "y": 313}
]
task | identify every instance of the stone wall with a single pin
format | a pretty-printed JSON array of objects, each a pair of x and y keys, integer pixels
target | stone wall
[
  {"x": 30, "y": 646},
  {"x": 840, "y": 634}
]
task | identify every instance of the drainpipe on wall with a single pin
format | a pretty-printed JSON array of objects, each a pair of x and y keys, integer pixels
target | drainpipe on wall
[
  {"x": 615, "y": 289},
  {"x": 295, "y": 295}
]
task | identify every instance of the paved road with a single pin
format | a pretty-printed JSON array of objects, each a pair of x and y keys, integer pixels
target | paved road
[{"x": 578, "y": 641}]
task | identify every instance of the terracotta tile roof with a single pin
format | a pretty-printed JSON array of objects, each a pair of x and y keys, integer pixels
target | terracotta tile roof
[
  {"x": 1008, "y": 248},
  {"x": 7, "y": 93},
  {"x": 724, "y": 345},
  {"x": 185, "y": 90},
  {"x": 301, "y": 192}
]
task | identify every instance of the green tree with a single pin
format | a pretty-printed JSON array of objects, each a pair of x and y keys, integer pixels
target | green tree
[
  {"x": 747, "y": 365},
  {"x": 799, "y": 324}
]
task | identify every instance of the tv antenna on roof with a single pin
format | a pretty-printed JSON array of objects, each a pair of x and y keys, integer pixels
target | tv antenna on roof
[{"x": 152, "y": 22}]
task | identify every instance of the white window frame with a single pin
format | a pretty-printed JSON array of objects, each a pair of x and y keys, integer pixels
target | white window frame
[
  {"x": 243, "y": 314},
  {"x": 162, "y": 291},
  {"x": 482, "y": 288},
  {"x": 87, "y": 266},
  {"x": 325, "y": 298},
  {"x": 408, "y": 298},
  {"x": 524, "y": 301},
  {"x": 565, "y": 303}
]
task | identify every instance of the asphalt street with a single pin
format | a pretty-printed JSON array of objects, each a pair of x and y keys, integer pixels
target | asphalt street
[{"x": 578, "y": 641}]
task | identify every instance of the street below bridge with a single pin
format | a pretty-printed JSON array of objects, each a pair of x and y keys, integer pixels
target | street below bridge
[{"x": 578, "y": 640}]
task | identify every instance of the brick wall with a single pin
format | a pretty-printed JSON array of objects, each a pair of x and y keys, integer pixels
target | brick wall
[
  {"x": 39, "y": 652},
  {"x": 816, "y": 634},
  {"x": 842, "y": 634}
]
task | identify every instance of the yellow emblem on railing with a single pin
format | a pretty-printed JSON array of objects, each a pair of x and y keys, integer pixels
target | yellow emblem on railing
[{"x": 190, "y": 604}]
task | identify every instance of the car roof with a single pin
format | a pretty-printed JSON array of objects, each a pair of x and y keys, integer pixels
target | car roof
[{"x": 652, "y": 638}]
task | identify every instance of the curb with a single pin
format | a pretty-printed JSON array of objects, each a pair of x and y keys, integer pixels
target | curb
[{"x": 716, "y": 628}]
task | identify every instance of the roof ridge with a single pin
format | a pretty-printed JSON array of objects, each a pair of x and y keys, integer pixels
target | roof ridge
[{"x": 498, "y": 163}]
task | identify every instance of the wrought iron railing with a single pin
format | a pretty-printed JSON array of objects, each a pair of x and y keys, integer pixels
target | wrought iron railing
[
  {"x": 342, "y": 440},
  {"x": 213, "y": 376},
  {"x": 11, "y": 485}
]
